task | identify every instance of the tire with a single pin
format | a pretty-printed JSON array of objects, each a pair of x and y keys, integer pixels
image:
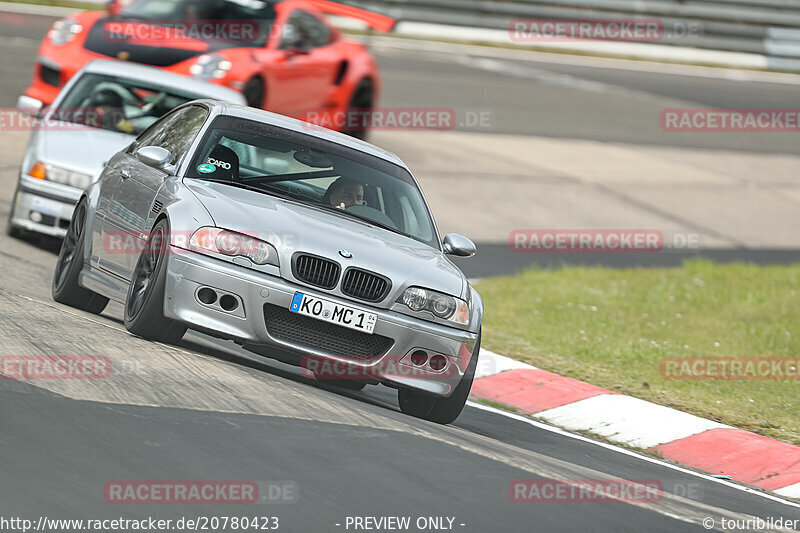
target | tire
[
  {"x": 441, "y": 410},
  {"x": 144, "y": 304},
  {"x": 360, "y": 103},
  {"x": 65, "y": 288},
  {"x": 253, "y": 92},
  {"x": 11, "y": 231}
]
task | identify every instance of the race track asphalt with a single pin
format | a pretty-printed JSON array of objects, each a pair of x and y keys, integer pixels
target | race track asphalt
[{"x": 206, "y": 410}]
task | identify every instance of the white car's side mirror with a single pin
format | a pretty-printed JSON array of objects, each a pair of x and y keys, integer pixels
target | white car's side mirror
[{"x": 30, "y": 106}]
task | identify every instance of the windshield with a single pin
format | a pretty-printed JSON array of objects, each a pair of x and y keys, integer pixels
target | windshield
[
  {"x": 315, "y": 172},
  {"x": 118, "y": 104}
]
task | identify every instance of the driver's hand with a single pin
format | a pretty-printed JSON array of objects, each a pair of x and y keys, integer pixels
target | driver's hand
[{"x": 341, "y": 206}]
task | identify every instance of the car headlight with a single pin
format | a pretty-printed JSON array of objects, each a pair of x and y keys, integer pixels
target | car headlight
[
  {"x": 63, "y": 31},
  {"x": 440, "y": 305},
  {"x": 44, "y": 171},
  {"x": 210, "y": 66},
  {"x": 230, "y": 243}
]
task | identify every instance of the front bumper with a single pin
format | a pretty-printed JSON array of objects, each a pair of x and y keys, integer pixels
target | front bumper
[
  {"x": 188, "y": 272},
  {"x": 43, "y": 206}
]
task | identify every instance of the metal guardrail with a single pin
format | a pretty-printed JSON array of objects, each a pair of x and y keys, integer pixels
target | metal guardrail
[{"x": 767, "y": 27}]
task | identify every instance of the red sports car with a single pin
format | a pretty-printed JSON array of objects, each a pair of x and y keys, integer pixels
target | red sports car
[{"x": 283, "y": 55}]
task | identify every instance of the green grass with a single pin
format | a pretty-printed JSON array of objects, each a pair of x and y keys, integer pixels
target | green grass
[{"x": 611, "y": 327}]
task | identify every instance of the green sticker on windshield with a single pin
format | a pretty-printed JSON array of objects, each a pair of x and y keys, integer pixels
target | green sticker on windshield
[{"x": 206, "y": 168}]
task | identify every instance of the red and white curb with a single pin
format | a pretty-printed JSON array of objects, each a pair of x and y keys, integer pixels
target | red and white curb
[{"x": 572, "y": 404}]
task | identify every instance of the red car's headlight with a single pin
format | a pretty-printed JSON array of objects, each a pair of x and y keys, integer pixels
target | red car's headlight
[
  {"x": 63, "y": 31},
  {"x": 210, "y": 67},
  {"x": 230, "y": 243}
]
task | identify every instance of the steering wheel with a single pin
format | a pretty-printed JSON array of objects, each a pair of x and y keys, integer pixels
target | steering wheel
[{"x": 148, "y": 106}]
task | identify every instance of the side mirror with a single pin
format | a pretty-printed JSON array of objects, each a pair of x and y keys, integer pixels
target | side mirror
[
  {"x": 154, "y": 156},
  {"x": 30, "y": 106},
  {"x": 455, "y": 244}
]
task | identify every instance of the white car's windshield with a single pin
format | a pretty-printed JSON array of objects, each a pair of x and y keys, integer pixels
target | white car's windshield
[
  {"x": 118, "y": 104},
  {"x": 321, "y": 173}
]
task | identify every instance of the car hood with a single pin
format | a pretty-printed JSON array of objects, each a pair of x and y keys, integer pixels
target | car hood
[
  {"x": 112, "y": 37},
  {"x": 293, "y": 227},
  {"x": 84, "y": 150}
]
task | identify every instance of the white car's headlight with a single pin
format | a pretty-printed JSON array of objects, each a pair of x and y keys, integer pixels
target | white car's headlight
[
  {"x": 230, "y": 243},
  {"x": 45, "y": 171},
  {"x": 440, "y": 305},
  {"x": 63, "y": 31},
  {"x": 210, "y": 66}
]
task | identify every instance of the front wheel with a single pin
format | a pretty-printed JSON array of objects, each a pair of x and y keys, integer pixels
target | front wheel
[
  {"x": 144, "y": 305},
  {"x": 65, "y": 288},
  {"x": 441, "y": 410}
]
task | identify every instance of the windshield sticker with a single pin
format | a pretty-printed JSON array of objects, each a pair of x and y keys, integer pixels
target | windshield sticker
[{"x": 206, "y": 168}]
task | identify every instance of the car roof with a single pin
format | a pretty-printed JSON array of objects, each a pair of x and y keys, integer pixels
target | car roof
[
  {"x": 300, "y": 126},
  {"x": 136, "y": 71}
]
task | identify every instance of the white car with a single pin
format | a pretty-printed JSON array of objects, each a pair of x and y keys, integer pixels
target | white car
[{"x": 100, "y": 111}]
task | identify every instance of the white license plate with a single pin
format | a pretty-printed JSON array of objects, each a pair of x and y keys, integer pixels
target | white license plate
[
  {"x": 48, "y": 207},
  {"x": 343, "y": 315}
]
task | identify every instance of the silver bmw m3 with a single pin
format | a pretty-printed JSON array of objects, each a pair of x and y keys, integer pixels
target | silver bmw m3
[{"x": 297, "y": 242}]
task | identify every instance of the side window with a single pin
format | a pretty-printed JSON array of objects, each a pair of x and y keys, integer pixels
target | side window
[
  {"x": 304, "y": 31},
  {"x": 317, "y": 32},
  {"x": 175, "y": 132}
]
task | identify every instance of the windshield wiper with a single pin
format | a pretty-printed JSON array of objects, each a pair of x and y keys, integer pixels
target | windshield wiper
[
  {"x": 360, "y": 217},
  {"x": 292, "y": 177},
  {"x": 245, "y": 186}
]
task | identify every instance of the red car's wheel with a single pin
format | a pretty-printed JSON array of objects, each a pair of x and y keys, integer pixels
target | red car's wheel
[
  {"x": 254, "y": 92},
  {"x": 360, "y": 104}
]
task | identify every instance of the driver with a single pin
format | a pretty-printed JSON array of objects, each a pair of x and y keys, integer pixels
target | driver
[
  {"x": 344, "y": 193},
  {"x": 108, "y": 104}
]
